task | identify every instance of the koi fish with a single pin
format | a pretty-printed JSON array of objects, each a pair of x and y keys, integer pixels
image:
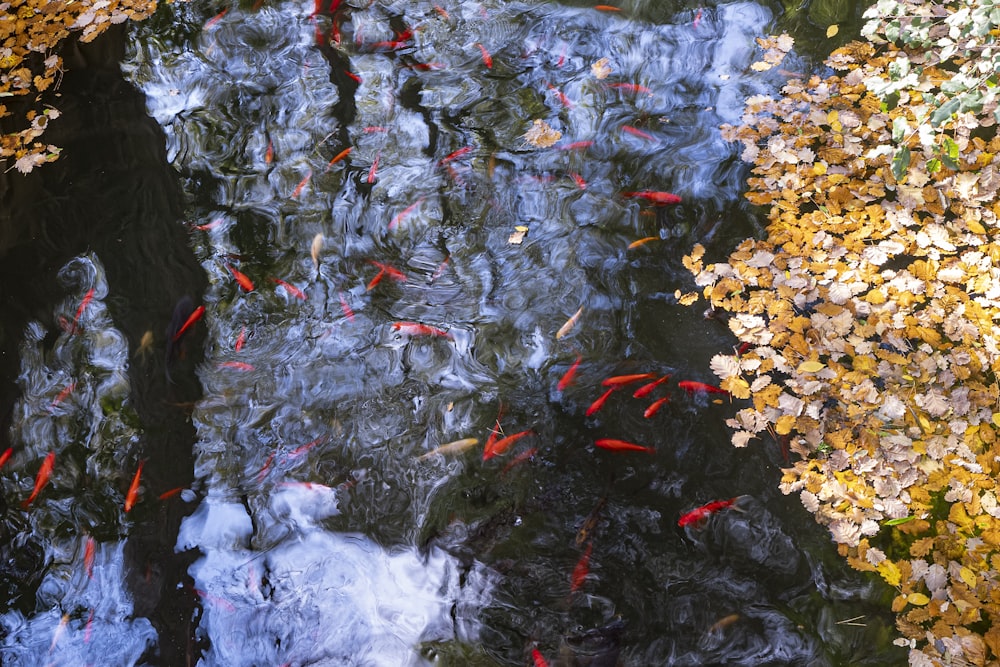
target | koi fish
[
  {"x": 599, "y": 403},
  {"x": 79, "y": 311},
  {"x": 646, "y": 389},
  {"x": 653, "y": 197},
  {"x": 621, "y": 380},
  {"x": 374, "y": 170},
  {"x": 390, "y": 271},
  {"x": 189, "y": 322},
  {"x": 456, "y": 447},
  {"x": 699, "y": 516},
  {"x": 241, "y": 278},
  {"x": 240, "y": 340},
  {"x": 302, "y": 184},
  {"x": 538, "y": 658},
  {"x": 339, "y": 156},
  {"x": 570, "y": 323},
  {"x": 691, "y": 387},
  {"x": 567, "y": 377},
  {"x": 133, "y": 489},
  {"x": 402, "y": 215},
  {"x": 41, "y": 478},
  {"x": 375, "y": 281},
  {"x": 526, "y": 455},
  {"x": 237, "y": 365},
  {"x": 487, "y": 58},
  {"x": 636, "y": 132},
  {"x": 6, "y": 456},
  {"x": 643, "y": 241},
  {"x": 418, "y": 329},
  {"x": 455, "y": 155},
  {"x": 88, "y": 557},
  {"x": 290, "y": 288},
  {"x": 614, "y": 445},
  {"x": 215, "y": 19},
  {"x": 655, "y": 407},
  {"x": 630, "y": 87},
  {"x": 500, "y": 446},
  {"x": 575, "y": 145},
  {"x": 581, "y": 569},
  {"x": 345, "y": 307}
]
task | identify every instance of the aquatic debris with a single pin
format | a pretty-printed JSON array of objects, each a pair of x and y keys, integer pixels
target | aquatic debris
[
  {"x": 601, "y": 69},
  {"x": 540, "y": 135}
]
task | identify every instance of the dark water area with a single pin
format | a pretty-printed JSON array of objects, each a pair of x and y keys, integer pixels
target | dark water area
[{"x": 362, "y": 309}]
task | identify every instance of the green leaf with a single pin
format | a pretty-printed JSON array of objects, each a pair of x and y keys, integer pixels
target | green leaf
[
  {"x": 896, "y": 522},
  {"x": 899, "y": 128},
  {"x": 945, "y": 111},
  {"x": 933, "y": 165},
  {"x": 900, "y": 162}
]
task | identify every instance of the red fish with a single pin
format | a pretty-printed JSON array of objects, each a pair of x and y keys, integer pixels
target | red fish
[
  {"x": 500, "y": 446},
  {"x": 302, "y": 449},
  {"x": 133, "y": 489},
  {"x": 567, "y": 377},
  {"x": 646, "y": 389},
  {"x": 269, "y": 153},
  {"x": 41, "y": 478},
  {"x": 241, "y": 278},
  {"x": 290, "y": 288},
  {"x": 215, "y": 19},
  {"x": 607, "y": 8},
  {"x": 538, "y": 658},
  {"x": 599, "y": 403},
  {"x": 653, "y": 197},
  {"x": 440, "y": 269},
  {"x": 88, "y": 557},
  {"x": 194, "y": 317},
  {"x": 562, "y": 55},
  {"x": 455, "y": 155},
  {"x": 241, "y": 339},
  {"x": 208, "y": 226},
  {"x": 691, "y": 387},
  {"x": 526, "y": 455},
  {"x": 63, "y": 395},
  {"x": 636, "y": 132},
  {"x": 565, "y": 101},
  {"x": 576, "y": 145},
  {"x": 418, "y": 329},
  {"x": 6, "y": 456},
  {"x": 581, "y": 569},
  {"x": 578, "y": 179},
  {"x": 699, "y": 515},
  {"x": 339, "y": 156},
  {"x": 237, "y": 365},
  {"x": 697, "y": 20},
  {"x": 79, "y": 311},
  {"x": 630, "y": 87},
  {"x": 374, "y": 170},
  {"x": 655, "y": 407},
  {"x": 402, "y": 215},
  {"x": 353, "y": 77},
  {"x": 166, "y": 495},
  {"x": 620, "y": 380},
  {"x": 643, "y": 241},
  {"x": 345, "y": 307},
  {"x": 614, "y": 445},
  {"x": 487, "y": 58},
  {"x": 267, "y": 466},
  {"x": 390, "y": 271},
  {"x": 440, "y": 10},
  {"x": 302, "y": 184},
  {"x": 375, "y": 281}
]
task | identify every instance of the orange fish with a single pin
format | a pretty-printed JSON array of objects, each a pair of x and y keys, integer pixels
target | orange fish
[
  {"x": 655, "y": 407},
  {"x": 353, "y": 77},
  {"x": 63, "y": 395},
  {"x": 576, "y": 145},
  {"x": 83, "y": 306},
  {"x": 440, "y": 269},
  {"x": 526, "y": 455},
  {"x": 241, "y": 278},
  {"x": 565, "y": 101},
  {"x": 88, "y": 557},
  {"x": 440, "y": 10},
  {"x": 630, "y": 87},
  {"x": 692, "y": 387},
  {"x": 41, "y": 478},
  {"x": 646, "y": 389},
  {"x": 567, "y": 377},
  {"x": 697, "y": 20},
  {"x": 302, "y": 449},
  {"x": 241, "y": 339},
  {"x": 215, "y": 19},
  {"x": 374, "y": 170},
  {"x": 302, "y": 184},
  {"x": 6, "y": 456},
  {"x": 653, "y": 197},
  {"x": 208, "y": 226},
  {"x": 345, "y": 307},
  {"x": 87, "y": 629},
  {"x": 636, "y": 132},
  {"x": 643, "y": 241},
  {"x": 581, "y": 570},
  {"x": 599, "y": 403},
  {"x": 339, "y": 156},
  {"x": 418, "y": 329},
  {"x": 614, "y": 445},
  {"x": 538, "y": 658},
  {"x": 500, "y": 446},
  {"x": 290, "y": 288},
  {"x": 269, "y": 154},
  {"x": 166, "y": 495},
  {"x": 238, "y": 365},
  {"x": 570, "y": 323},
  {"x": 194, "y": 317},
  {"x": 375, "y": 281},
  {"x": 700, "y": 515},
  {"x": 390, "y": 271},
  {"x": 607, "y": 8},
  {"x": 487, "y": 58},
  {"x": 402, "y": 215},
  {"x": 578, "y": 179},
  {"x": 133, "y": 489},
  {"x": 455, "y": 155},
  {"x": 619, "y": 380}
]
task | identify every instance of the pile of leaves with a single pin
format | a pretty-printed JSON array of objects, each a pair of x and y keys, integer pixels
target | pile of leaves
[
  {"x": 30, "y": 34},
  {"x": 868, "y": 314}
]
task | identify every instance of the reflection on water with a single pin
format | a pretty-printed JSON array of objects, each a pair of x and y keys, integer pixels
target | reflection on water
[{"x": 389, "y": 263}]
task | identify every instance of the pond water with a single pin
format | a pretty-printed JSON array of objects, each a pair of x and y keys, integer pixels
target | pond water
[{"x": 387, "y": 266}]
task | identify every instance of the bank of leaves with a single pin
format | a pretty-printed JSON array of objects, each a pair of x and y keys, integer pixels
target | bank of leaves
[
  {"x": 871, "y": 310},
  {"x": 30, "y": 64}
]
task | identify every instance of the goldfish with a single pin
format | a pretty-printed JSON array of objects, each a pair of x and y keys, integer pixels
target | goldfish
[
  {"x": 565, "y": 101},
  {"x": 189, "y": 322},
  {"x": 215, "y": 19},
  {"x": 79, "y": 311},
  {"x": 487, "y": 58},
  {"x": 570, "y": 323},
  {"x": 145, "y": 346},
  {"x": 630, "y": 87},
  {"x": 526, "y": 455},
  {"x": 374, "y": 170},
  {"x": 375, "y": 281},
  {"x": 133, "y": 489},
  {"x": 41, "y": 478},
  {"x": 590, "y": 522},
  {"x": 578, "y": 179},
  {"x": 6, "y": 456},
  {"x": 88, "y": 557},
  {"x": 619, "y": 380},
  {"x": 655, "y": 407},
  {"x": 614, "y": 445},
  {"x": 440, "y": 269},
  {"x": 269, "y": 154},
  {"x": 170, "y": 493},
  {"x": 636, "y": 132},
  {"x": 262, "y": 473},
  {"x": 372, "y": 129},
  {"x": 241, "y": 278},
  {"x": 607, "y": 8},
  {"x": 454, "y": 155},
  {"x": 208, "y": 226},
  {"x": 302, "y": 449},
  {"x": 302, "y": 184},
  {"x": 643, "y": 241},
  {"x": 290, "y": 288},
  {"x": 567, "y": 377},
  {"x": 339, "y": 156},
  {"x": 390, "y": 271},
  {"x": 575, "y": 145},
  {"x": 697, "y": 20},
  {"x": 538, "y": 658},
  {"x": 699, "y": 516},
  {"x": 238, "y": 365},
  {"x": 353, "y": 77},
  {"x": 402, "y": 215},
  {"x": 498, "y": 447},
  {"x": 88, "y": 627},
  {"x": 692, "y": 387},
  {"x": 441, "y": 11},
  {"x": 646, "y": 389},
  {"x": 345, "y": 307},
  {"x": 418, "y": 329},
  {"x": 456, "y": 447},
  {"x": 581, "y": 570},
  {"x": 63, "y": 395},
  {"x": 241, "y": 339},
  {"x": 599, "y": 403},
  {"x": 654, "y": 197}
]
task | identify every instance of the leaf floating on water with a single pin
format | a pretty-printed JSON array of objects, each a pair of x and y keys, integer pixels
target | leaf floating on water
[
  {"x": 541, "y": 135},
  {"x": 810, "y": 367},
  {"x": 601, "y": 69},
  {"x": 685, "y": 299},
  {"x": 517, "y": 237},
  {"x": 832, "y": 30}
]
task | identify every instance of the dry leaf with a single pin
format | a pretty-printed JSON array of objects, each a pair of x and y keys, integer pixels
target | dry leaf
[{"x": 541, "y": 135}]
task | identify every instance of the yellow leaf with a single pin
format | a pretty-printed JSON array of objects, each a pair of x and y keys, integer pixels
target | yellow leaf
[
  {"x": 890, "y": 572},
  {"x": 736, "y": 386},
  {"x": 784, "y": 424},
  {"x": 996, "y": 419},
  {"x": 968, "y": 576},
  {"x": 810, "y": 367},
  {"x": 832, "y": 30},
  {"x": 918, "y": 599},
  {"x": 819, "y": 168}
]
